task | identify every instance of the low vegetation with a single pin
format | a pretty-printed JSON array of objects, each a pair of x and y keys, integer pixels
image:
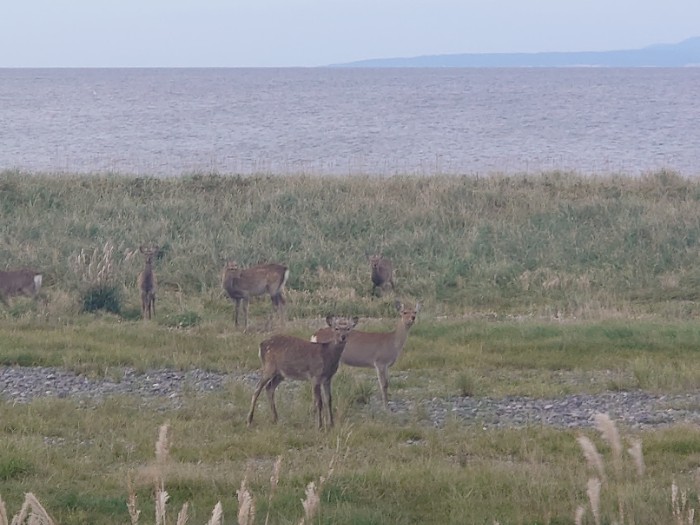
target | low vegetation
[
  {"x": 554, "y": 244},
  {"x": 538, "y": 286}
]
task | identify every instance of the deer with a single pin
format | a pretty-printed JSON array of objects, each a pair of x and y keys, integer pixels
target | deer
[
  {"x": 378, "y": 350},
  {"x": 288, "y": 357},
  {"x": 148, "y": 282},
  {"x": 24, "y": 281},
  {"x": 382, "y": 273},
  {"x": 243, "y": 283}
]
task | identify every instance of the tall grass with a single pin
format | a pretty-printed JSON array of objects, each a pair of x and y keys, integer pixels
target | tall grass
[
  {"x": 561, "y": 244},
  {"x": 618, "y": 497},
  {"x": 502, "y": 265}
]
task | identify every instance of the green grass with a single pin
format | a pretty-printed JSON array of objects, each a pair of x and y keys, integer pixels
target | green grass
[
  {"x": 540, "y": 286},
  {"x": 551, "y": 244},
  {"x": 78, "y": 461},
  {"x": 77, "y": 457}
]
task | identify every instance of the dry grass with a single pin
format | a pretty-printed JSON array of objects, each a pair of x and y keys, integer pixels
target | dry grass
[
  {"x": 246, "y": 501},
  {"x": 509, "y": 268},
  {"x": 551, "y": 244},
  {"x": 615, "y": 488},
  {"x": 605, "y": 494},
  {"x": 31, "y": 513}
]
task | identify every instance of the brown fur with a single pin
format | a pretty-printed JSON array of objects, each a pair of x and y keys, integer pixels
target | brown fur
[
  {"x": 148, "y": 283},
  {"x": 378, "y": 350},
  {"x": 19, "y": 282},
  {"x": 287, "y": 357},
  {"x": 382, "y": 273},
  {"x": 264, "y": 279}
]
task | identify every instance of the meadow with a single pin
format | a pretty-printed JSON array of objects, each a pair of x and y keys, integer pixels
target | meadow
[{"x": 522, "y": 279}]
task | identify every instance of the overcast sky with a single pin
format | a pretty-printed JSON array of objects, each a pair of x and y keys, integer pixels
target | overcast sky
[{"x": 272, "y": 33}]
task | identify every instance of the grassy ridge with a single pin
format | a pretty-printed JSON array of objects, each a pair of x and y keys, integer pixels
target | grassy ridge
[
  {"x": 553, "y": 243},
  {"x": 533, "y": 285}
]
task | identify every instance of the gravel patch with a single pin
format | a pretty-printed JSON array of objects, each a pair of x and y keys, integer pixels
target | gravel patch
[{"x": 636, "y": 409}]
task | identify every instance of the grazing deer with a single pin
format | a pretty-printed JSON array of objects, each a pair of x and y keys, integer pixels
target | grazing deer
[
  {"x": 240, "y": 284},
  {"x": 378, "y": 350},
  {"x": 382, "y": 273},
  {"x": 148, "y": 282},
  {"x": 19, "y": 282},
  {"x": 287, "y": 357}
]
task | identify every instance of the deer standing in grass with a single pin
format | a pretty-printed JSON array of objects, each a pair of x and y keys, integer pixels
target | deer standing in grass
[
  {"x": 19, "y": 282},
  {"x": 240, "y": 284},
  {"x": 148, "y": 282},
  {"x": 287, "y": 357},
  {"x": 379, "y": 350},
  {"x": 382, "y": 273}
]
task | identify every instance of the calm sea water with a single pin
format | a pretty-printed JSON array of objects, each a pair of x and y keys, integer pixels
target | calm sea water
[{"x": 340, "y": 121}]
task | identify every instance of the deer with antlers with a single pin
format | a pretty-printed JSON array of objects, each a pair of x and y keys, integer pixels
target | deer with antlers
[
  {"x": 376, "y": 350},
  {"x": 148, "y": 282},
  {"x": 287, "y": 357},
  {"x": 243, "y": 283}
]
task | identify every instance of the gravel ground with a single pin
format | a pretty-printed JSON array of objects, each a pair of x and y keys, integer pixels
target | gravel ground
[{"x": 634, "y": 408}]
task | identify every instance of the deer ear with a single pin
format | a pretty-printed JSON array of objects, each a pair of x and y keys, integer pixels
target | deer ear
[
  {"x": 355, "y": 320},
  {"x": 399, "y": 305},
  {"x": 418, "y": 307},
  {"x": 329, "y": 320}
]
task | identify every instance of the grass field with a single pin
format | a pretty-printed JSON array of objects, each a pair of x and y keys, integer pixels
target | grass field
[{"x": 521, "y": 278}]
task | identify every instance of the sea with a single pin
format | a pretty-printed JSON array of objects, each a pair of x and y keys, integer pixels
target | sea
[{"x": 344, "y": 122}]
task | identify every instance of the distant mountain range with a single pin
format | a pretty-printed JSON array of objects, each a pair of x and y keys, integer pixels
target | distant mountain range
[{"x": 685, "y": 53}]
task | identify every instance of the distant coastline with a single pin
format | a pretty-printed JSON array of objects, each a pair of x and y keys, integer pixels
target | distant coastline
[{"x": 682, "y": 54}]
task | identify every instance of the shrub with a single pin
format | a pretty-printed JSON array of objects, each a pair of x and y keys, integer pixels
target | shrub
[
  {"x": 102, "y": 297},
  {"x": 465, "y": 384}
]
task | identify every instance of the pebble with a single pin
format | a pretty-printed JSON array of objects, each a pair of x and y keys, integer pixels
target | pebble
[{"x": 635, "y": 409}]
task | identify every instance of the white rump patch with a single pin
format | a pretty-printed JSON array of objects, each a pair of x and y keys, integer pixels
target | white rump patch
[
  {"x": 314, "y": 339},
  {"x": 37, "y": 282}
]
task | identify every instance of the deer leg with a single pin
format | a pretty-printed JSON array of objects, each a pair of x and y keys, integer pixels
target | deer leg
[
  {"x": 329, "y": 400},
  {"x": 270, "y": 316},
  {"x": 246, "y": 302},
  {"x": 258, "y": 388},
  {"x": 383, "y": 377},
  {"x": 235, "y": 315},
  {"x": 282, "y": 306},
  {"x": 319, "y": 403},
  {"x": 278, "y": 303},
  {"x": 270, "y": 388},
  {"x": 153, "y": 304}
]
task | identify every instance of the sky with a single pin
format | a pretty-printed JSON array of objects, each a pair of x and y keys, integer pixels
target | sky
[{"x": 309, "y": 33}]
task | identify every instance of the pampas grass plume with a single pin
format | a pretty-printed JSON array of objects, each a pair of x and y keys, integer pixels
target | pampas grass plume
[
  {"x": 593, "y": 458},
  {"x": 246, "y": 504},
  {"x": 593, "y": 492},
  {"x": 32, "y": 512},
  {"x": 182, "y": 516},
  {"x": 131, "y": 504},
  {"x": 635, "y": 451},
  {"x": 162, "y": 498},
  {"x": 23, "y": 513},
  {"x": 311, "y": 503},
  {"x": 3, "y": 513},
  {"x": 217, "y": 515},
  {"x": 274, "y": 481},
  {"x": 162, "y": 445},
  {"x": 608, "y": 430}
]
